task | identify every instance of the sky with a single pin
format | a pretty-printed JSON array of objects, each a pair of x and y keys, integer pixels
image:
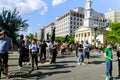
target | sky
[{"x": 40, "y": 13}]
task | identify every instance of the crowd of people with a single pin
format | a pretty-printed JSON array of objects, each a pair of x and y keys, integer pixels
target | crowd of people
[{"x": 33, "y": 51}]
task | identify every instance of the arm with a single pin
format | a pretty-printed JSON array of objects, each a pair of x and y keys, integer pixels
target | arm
[
  {"x": 105, "y": 56},
  {"x": 11, "y": 46}
]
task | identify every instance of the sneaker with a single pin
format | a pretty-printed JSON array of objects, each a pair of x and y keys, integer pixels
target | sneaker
[
  {"x": 78, "y": 63},
  {"x": 107, "y": 78},
  {"x": 19, "y": 67},
  {"x": 28, "y": 63},
  {"x": 83, "y": 63}
]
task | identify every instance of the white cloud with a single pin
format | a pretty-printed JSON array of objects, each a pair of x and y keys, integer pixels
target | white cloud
[
  {"x": 25, "y": 6},
  {"x": 57, "y": 2}
]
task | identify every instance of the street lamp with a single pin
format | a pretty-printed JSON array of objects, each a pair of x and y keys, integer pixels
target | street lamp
[{"x": 95, "y": 29}]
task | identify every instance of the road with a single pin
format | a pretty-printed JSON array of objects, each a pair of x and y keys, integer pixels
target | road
[{"x": 66, "y": 68}]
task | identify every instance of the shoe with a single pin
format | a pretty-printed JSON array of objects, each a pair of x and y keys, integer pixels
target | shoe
[
  {"x": 28, "y": 63},
  {"x": 83, "y": 63},
  {"x": 19, "y": 67},
  {"x": 4, "y": 73},
  {"x": 107, "y": 78},
  {"x": 111, "y": 78},
  {"x": 78, "y": 63}
]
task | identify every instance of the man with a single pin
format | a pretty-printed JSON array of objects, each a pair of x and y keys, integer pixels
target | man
[
  {"x": 27, "y": 43},
  {"x": 21, "y": 46},
  {"x": 108, "y": 60},
  {"x": 5, "y": 45},
  {"x": 87, "y": 47}
]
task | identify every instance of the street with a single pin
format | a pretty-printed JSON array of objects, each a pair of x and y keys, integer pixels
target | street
[{"x": 66, "y": 68}]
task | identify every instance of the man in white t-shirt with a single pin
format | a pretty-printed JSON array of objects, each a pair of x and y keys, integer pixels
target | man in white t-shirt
[{"x": 87, "y": 51}]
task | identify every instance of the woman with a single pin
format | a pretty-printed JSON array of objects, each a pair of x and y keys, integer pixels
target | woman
[
  {"x": 33, "y": 49},
  {"x": 118, "y": 56},
  {"x": 108, "y": 60}
]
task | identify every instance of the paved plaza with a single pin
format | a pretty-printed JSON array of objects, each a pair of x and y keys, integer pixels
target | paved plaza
[{"x": 66, "y": 68}]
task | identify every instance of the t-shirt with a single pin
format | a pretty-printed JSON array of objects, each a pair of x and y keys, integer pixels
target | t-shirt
[
  {"x": 20, "y": 42},
  {"x": 5, "y": 45},
  {"x": 108, "y": 53},
  {"x": 87, "y": 47},
  {"x": 80, "y": 46},
  {"x": 33, "y": 47}
]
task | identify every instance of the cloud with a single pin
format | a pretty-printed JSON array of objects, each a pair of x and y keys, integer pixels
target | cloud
[
  {"x": 57, "y": 2},
  {"x": 25, "y": 6}
]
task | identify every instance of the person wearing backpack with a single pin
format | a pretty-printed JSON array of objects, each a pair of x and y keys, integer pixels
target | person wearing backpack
[
  {"x": 33, "y": 51},
  {"x": 87, "y": 47}
]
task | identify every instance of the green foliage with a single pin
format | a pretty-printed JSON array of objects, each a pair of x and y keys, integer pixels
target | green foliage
[
  {"x": 68, "y": 38},
  {"x": 53, "y": 34},
  {"x": 59, "y": 38},
  {"x": 12, "y": 21},
  {"x": 114, "y": 34},
  {"x": 31, "y": 36}
]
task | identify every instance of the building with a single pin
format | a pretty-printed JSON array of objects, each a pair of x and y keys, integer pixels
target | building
[
  {"x": 113, "y": 15},
  {"x": 48, "y": 31},
  {"x": 67, "y": 23},
  {"x": 93, "y": 26},
  {"x": 40, "y": 34},
  {"x": 72, "y": 20}
]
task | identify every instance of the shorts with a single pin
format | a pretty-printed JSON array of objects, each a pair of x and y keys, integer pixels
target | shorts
[{"x": 5, "y": 58}]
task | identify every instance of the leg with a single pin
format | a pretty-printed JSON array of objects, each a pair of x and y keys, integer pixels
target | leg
[
  {"x": 36, "y": 60},
  {"x": 118, "y": 67},
  {"x": 5, "y": 62}
]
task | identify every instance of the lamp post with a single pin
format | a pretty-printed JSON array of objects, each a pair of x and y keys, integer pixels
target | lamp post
[{"x": 95, "y": 29}]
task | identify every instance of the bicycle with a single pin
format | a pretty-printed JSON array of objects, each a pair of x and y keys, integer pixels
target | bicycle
[{"x": 1, "y": 65}]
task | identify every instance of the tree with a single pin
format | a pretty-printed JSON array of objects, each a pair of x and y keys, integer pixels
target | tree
[
  {"x": 12, "y": 21},
  {"x": 114, "y": 34},
  {"x": 53, "y": 34},
  {"x": 31, "y": 36}
]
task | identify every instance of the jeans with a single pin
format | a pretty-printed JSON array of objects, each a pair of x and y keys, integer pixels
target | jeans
[
  {"x": 80, "y": 57},
  {"x": 108, "y": 68}
]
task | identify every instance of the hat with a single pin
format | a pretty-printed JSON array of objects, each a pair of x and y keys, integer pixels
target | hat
[{"x": 5, "y": 32}]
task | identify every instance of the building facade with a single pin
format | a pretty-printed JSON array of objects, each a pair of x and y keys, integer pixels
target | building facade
[
  {"x": 40, "y": 34},
  {"x": 69, "y": 22},
  {"x": 48, "y": 31},
  {"x": 113, "y": 15},
  {"x": 92, "y": 29}
]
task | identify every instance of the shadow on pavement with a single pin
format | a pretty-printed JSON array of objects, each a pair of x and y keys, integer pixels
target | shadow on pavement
[
  {"x": 97, "y": 62},
  {"x": 55, "y": 66},
  {"x": 36, "y": 74},
  {"x": 95, "y": 56}
]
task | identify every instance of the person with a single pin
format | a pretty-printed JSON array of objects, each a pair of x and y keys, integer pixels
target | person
[
  {"x": 108, "y": 60},
  {"x": 118, "y": 57},
  {"x": 54, "y": 50},
  {"x": 80, "y": 54},
  {"x": 34, "y": 54},
  {"x": 87, "y": 51},
  {"x": 48, "y": 48},
  {"x": 5, "y": 44},
  {"x": 27, "y": 43},
  {"x": 21, "y": 49},
  {"x": 43, "y": 50}
]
